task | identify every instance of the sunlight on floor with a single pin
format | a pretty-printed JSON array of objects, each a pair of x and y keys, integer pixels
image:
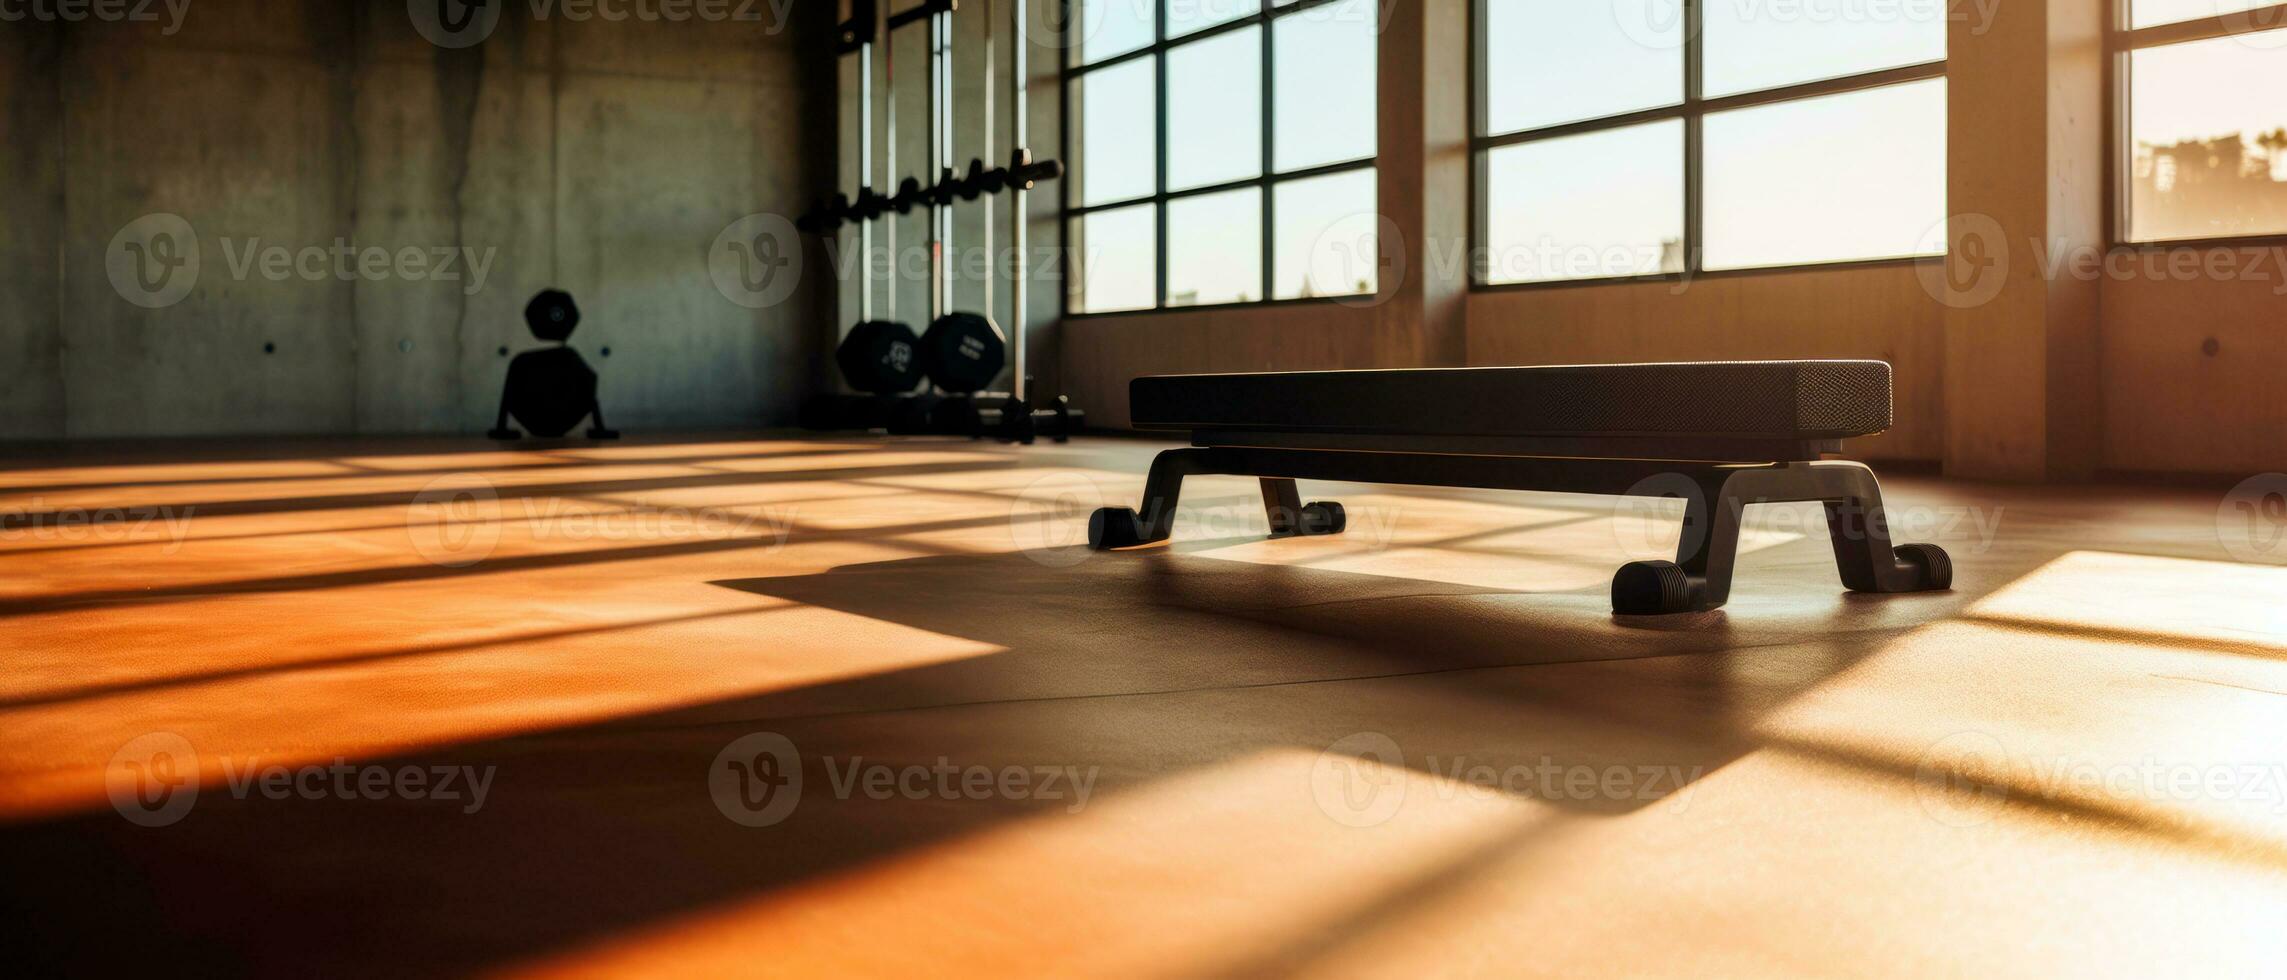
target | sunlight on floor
[{"x": 1259, "y": 867}]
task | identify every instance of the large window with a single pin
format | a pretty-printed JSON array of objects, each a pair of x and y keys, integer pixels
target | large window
[
  {"x": 1222, "y": 151},
  {"x": 1645, "y": 138},
  {"x": 2203, "y": 145}
]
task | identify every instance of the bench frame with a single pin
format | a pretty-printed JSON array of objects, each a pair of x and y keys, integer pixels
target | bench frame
[{"x": 1716, "y": 493}]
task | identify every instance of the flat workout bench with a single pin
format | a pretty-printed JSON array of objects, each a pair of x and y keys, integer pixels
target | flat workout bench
[{"x": 1721, "y": 436}]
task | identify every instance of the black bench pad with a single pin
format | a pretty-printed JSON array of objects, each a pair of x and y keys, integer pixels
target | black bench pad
[{"x": 1800, "y": 400}]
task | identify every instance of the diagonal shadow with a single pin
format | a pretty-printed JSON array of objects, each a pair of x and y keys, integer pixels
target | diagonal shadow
[
  {"x": 307, "y": 582},
  {"x": 21, "y": 520},
  {"x": 1169, "y": 663},
  {"x": 1147, "y": 665},
  {"x": 351, "y": 471},
  {"x": 88, "y": 692}
]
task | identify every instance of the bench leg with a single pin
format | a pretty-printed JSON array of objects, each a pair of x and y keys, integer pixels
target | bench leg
[
  {"x": 1700, "y": 577},
  {"x": 1289, "y": 516},
  {"x": 1119, "y": 527},
  {"x": 1860, "y": 533},
  {"x": 1282, "y": 503}
]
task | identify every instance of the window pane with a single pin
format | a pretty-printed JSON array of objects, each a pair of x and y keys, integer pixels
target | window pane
[
  {"x": 1328, "y": 230},
  {"x": 1601, "y": 204},
  {"x": 1110, "y": 27},
  {"x": 1117, "y": 264},
  {"x": 1117, "y": 137},
  {"x": 1323, "y": 82},
  {"x": 1215, "y": 110},
  {"x": 1854, "y": 176},
  {"x": 1186, "y": 16},
  {"x": 2146, "y": 13},
  {"x": 1215, "y": 248},
  {"x": 2210, "y": 139},
  {"x": 1754, "y": 46},
  {"x": 1560, "y": 61}
]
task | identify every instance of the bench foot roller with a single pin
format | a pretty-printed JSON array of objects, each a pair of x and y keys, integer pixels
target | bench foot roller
[
  {"x": 1651, "y": 588},
  {"x": 1113, "y": 527}
]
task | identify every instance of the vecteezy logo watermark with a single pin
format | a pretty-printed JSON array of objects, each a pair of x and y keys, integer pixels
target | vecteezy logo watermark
[
  {"x": 154, "y": 260},
  {"x": 454, "y": 520},
  {"x": 107, "y": 11},
  {"x": 1652, "y": 520},
  {"x": 1359, "y": 781},
  {"x": 757, "y": 261},
  {"x": 455, "y": 23},
  {"x": 1049, "y": 521},
  {"x": 2255, "y": 26},
  {"x": 1359, "y": 259},
  {"x": 1975, "y": 265},
  {"x": 1961, "y": 779},
  {"x": 756, "y": 781},
  {"x": 2252, "y": 521},
  {"x": 154, "y": 780}
]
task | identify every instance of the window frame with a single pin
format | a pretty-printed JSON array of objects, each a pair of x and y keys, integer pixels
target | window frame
[
  {"x": 1693, "y": 110},
  {"x": 1264, "y": 182},
  {"x": 2121, "y": 44}
]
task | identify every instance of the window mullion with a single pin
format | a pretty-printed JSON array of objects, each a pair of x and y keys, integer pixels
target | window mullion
[
  {"x": 1694, "y": 62},
  {"x": 1159, "y": 180},
  {"x": 1268, "y": 88}
]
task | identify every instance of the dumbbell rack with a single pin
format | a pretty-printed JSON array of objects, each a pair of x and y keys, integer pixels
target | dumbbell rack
[{"x": 893, "y": 405}]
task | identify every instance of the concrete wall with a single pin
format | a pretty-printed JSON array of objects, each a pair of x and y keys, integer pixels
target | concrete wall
[{"x": 599, "y": 157}]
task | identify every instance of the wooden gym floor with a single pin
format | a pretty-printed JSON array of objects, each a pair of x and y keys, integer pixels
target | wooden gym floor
[{"x": 1425, "y": 746}]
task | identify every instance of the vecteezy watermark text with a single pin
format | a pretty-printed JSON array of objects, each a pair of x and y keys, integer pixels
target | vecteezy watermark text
[
  {"x": 156, "y": 260},
  {"x": 155, "y": 779},
  {"x": 1964, "y": 780},
  {"x": 343, "y": 261},
  {"x": 1356, "y": 781},
  {"x": 456, "y": 521},
  {"x": 106, "y": 11},
  {"x": 34, "y": 521},
  {"x": 757, "y": 780}
]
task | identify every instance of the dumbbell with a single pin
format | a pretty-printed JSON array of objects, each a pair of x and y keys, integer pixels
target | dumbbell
[
  {"x": 870, "y": 205},
  {"x": 827, "y": 215},
  {"x": 909, "y": 193},
  {"x": 982, "y": 181},
  {"x": 1018, "y": 422},
  {"x": 1023, "y": 171},
  {"x": 880, "y": 357},
  {"x": 944, "y": 191}
]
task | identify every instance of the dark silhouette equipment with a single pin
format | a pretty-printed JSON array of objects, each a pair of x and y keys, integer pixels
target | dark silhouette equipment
[
  {"x": 551, "y": 389},
  {"x": 1722, "y": 437},
  {"x": 959, "y": 353}
]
